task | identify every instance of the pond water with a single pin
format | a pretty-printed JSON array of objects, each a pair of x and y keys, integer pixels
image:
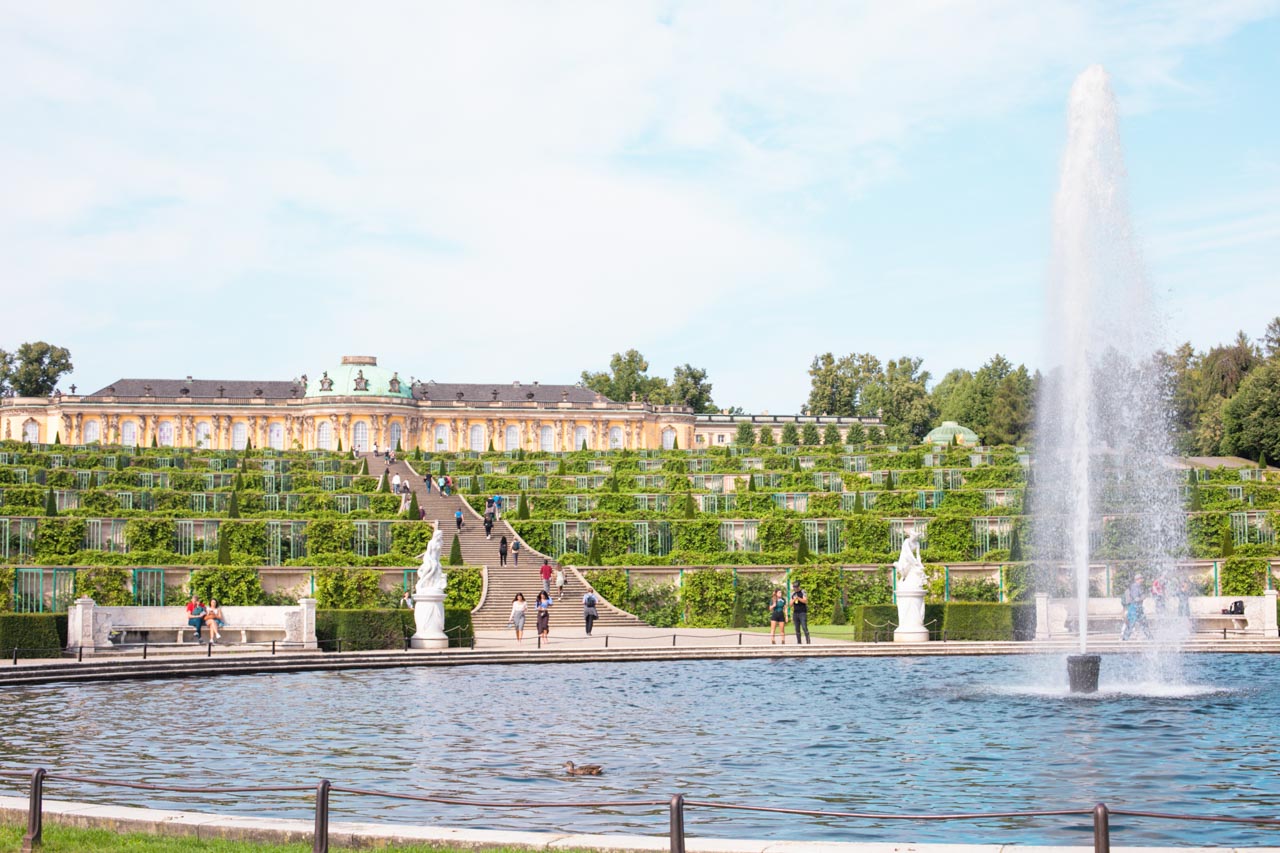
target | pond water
[{"x": 918, "y": 734}]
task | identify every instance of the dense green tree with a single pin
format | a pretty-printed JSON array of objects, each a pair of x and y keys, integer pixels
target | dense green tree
[
  {"x": 34, "y": 370},
  {"x": 1251, "y": 419},
  {"x": 1012, "y": 413},
  {"x": 766, "y": 436},
  {"x": 838, "y": 386},
  {"x": 831, "y": 436},
  {"x": 746, "y": 434},
  {"x": 809, "y": 435},
  {"x": 1271, "y": 339},
  {"x": 790, "y": 435},
  {"x": 901, "y": 399},
  {"x": 855, "y": 434},
  {"x": 689, "y": 387},
  {"x": 50, "y": 505}
]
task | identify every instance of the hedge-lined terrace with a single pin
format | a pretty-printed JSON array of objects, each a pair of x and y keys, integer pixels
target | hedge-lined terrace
[
  {"x": 849, "y": 505},
  {"x": 190, "y": 485}
]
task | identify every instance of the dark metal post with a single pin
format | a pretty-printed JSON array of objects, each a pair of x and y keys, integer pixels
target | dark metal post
[
  {"x": 739, "y": 638},
  {"x": 606, "y": 641},
  {"x": 677, "y": 823},
  {"x": 1101, "y": 829},
  {"x": 273, "y": 647},
  {"x": 673, "y": 640},
  {"x": 144, "y": 649},
  {"x": 15, "y": 655},
  {"x": 35, "y": 813},
  {"x": 320, "y": 843},
  {"x": 79, "y": 654},
  {"x": 339, "y": 645}
]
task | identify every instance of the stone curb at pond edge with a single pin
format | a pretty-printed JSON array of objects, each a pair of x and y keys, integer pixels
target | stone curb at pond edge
[{"x": 13, "y": 811}]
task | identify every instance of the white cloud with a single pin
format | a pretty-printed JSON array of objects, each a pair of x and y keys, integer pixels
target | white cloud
[{"x": 605, "y": 173}]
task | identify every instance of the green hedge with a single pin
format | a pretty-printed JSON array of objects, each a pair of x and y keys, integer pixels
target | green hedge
[
  {"x": 978, "y": 621},
  {"x": 36, "y": 635},
  {"x": 368, "y": 630},
  {"x": 363, "y": 630},
  {"x": 232, "y": 586}
]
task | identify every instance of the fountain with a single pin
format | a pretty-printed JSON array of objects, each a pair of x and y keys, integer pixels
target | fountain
[{"x": 1102, "y": 435}]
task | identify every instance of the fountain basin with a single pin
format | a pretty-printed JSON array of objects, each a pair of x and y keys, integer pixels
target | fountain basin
[{"x": 1082, "y": 673}]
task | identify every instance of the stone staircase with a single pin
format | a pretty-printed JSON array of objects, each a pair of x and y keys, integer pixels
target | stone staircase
[{"x": 501, "y": 582}]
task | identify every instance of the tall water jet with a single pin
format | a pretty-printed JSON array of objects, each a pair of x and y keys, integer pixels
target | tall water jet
[{"x": 1102, "y": 439}]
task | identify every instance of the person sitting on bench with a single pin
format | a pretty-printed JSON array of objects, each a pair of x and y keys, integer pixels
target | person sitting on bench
[{"x": 195, "y": 615}]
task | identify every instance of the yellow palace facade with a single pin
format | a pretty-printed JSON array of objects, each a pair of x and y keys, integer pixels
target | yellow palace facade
[{"x": 357, "y": 405}]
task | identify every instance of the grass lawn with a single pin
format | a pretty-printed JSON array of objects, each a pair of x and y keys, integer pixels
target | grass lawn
[
  {"x": 61, "y": 839},
  {"x": 834, "y": 632}
]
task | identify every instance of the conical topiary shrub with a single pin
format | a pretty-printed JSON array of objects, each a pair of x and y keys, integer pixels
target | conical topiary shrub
[
  {"x": 455, "y": 552},
  {"x": 413, "y": 506},
  {"x": 384, "y": 483},
  {"x": 594, "y": 557},
  {"x": 233, "y": 506},
  {"x": 224, "y": 549},
  {"x": 522, "y": 511},
  {"x": 50, "y": 505},
  {"x": 838, "y": 616},
  {"x": 690, "y": 509},
  {"x": 802, "y": 550},
  {"x": 739, "y": 618}
]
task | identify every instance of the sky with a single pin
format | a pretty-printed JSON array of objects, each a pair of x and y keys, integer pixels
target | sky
[{"x": 486, "y": 192}]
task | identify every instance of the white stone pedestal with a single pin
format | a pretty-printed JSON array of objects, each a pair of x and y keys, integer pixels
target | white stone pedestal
[
  {"x": 911, "y": 627},
  {"x": 428, "y": 614}
]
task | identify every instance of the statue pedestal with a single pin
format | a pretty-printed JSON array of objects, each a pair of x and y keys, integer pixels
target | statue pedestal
[
  {"x": 911, "y": 627},
  {"x": 428, "y": 615}
]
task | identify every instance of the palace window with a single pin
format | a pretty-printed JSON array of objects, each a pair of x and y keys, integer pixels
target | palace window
[
  {"x": 164, "y": 434},
  {"x": 513, "y": 438},
  {"x": 203, "y": 431},
  {"x": 668, "y": 438},
  {"x": 442, "y": 437},
  {"x": 239, "y": 436},
  {"x": 128, "y": 433},
  {"x": 360, "y": 436},
  {"x": 395, "y": 435},
  {"x": 615, "y": 438},
  {"x": 324, "y": 435},
  {"x": 275, "y": 436},
  {"x": 477, "y": 437},
  {"x": 547, "y": 439},
  {"x": 91, "y": 433},
  {"x": 31, "y": 432},
  {"x": 579, "y": 437}
]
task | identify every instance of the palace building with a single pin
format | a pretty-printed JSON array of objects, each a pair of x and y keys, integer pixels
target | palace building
[{"x": 357, "y": 404}]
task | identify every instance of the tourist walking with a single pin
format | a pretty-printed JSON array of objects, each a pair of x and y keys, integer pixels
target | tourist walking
[
  {"x": 395, "y": 485},
  {"x": 375, "y": 448},
  {"x": 589, "y": 612},
  {"x": 457, "y": 518},
  {"x": 800, "y": 614},
  {"x": 406, "y": 600},
  {"x": 543, "y": 604},
  {"x": 517, "y": 615},
  {"x": 488, "y": 527},
  {"x": 502, "y": 551},
  {"x": 497, "y": 506},
  {"x": 778, "y": 617},
  {"x": 515, "y": 552},
  {"x": 1184, "y": 598},
  {"x": 1134, "y": 618},
  {"x": 545, "y": 572},
  {"x": 427, "y": 481},
  {"x": 560, "y": 583}
]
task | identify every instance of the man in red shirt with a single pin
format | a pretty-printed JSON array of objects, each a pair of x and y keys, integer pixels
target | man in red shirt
[{"x": 545, "y": 571}]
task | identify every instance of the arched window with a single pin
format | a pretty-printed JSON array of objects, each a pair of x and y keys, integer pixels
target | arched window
[
  {"x": 91, "y": 433},
  {"x": 615, "y": 438},
  {"x": 324, "y": 436},
  {"x": 668, "y": 438},
  {"x": 547, "y": 439},
  {"x": 203, "y": 431},
  {"x": 31, "y": 432},
  {"x": 396, "y": 434},
  {"x": 442, "y": 437},
  {"x": 164, "y": 434},
  {"x": 275, "y": 436},
  {"x": 477, "y": 437},
  {"x": 360, "y": 436},
  {"x": 513, "y": 438},
  {"x": 239, "y": 436},
  {"x": 128, "y": 433},
  {"x": 579, "y": 437}
]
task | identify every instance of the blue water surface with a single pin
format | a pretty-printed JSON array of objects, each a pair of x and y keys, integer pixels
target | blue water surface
[{"x": 888, "y": 734}]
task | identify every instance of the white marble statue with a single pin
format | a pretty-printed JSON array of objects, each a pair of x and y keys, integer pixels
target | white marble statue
[
  {"x": 911, "y": 577},
  {"x": 431, "y": 573}
]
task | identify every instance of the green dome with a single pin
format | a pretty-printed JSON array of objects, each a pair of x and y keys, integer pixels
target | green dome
[
  {"x": 949, "y": 429},
  {"x": 358, "y": 376}
]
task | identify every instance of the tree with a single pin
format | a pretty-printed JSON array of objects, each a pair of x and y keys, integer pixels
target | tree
[
  {"x": 155, "y": 443},
  {"x": 689, "y": 387},
  {"x": 339, "y": 444},
  {"x": 766, "y": 436},
  {"x": 224, "y": 549},
  {"x": 831, "y": 436},
  {"x": 1271, "y": 339},
  {"x": 746, "y": 434},
  {"x": 628, "y": 375},
  {"x": 35, "y": 369},
  {"x": 690, "y": 508},
  {"x": 594, "y": 555},
  {"x": 455, "y": 552},
  {"x": 414, "y": 511},
  {"x": 51, "y": 505},
  {"x": 802, "y": 550},
  {"x": 490, "y": 446},
  {"x": 384, "y": 483},
  {"x": 901, "y": 399},
  {"x": 1251, "y": 418},
  {"x": 790, "y": 435},
  {"x": 1012, "y": 409},
  {"x": 57, "y": 438},
  {"x": 233, "y": 506},
  {"x": 839, "y": 386},
  {"x": 809, "y": 435},
  {"x": 855, "y": 434},
  {"x": 751, "y": 482},
  {"x": 522, "y": 511}
]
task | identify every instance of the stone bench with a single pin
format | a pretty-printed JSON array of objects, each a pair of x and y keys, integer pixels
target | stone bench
[
  {"x": 90, "y": 627},
  {"x": 1056, "y": 617}
]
